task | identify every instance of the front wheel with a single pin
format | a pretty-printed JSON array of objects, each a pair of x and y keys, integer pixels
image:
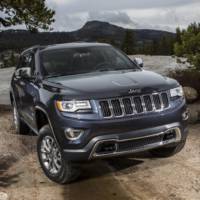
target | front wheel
[
  {"x": 168, "y": 151},
  {"x": 50, "y": 157}
]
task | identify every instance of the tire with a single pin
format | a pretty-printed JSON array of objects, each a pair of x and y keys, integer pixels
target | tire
[
  {"x": 168, "y": 151},
  {"x": 20, "y": 127},
  {"x": 51, "y": 159}
]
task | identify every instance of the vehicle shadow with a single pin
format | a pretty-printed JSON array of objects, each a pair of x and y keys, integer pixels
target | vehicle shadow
[
  {"x": 97, "y": 180},
  {"x": 13, "y": 149}
]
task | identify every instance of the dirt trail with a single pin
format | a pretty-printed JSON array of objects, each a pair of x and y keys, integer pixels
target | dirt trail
[{"x": 140, "y": 177}]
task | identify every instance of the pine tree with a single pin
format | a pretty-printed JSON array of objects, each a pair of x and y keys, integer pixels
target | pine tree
[
  {"x": 12, "y": 59},
  {"x": 178, "y": 35},
  {"x": 189, "y": 45},
  {"x": 2, "y": 57},
  {"x": 33, "y": 14},
  {"x": 128, "y": 45}
]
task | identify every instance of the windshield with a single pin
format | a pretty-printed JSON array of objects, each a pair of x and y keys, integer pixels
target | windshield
[{"x": 70, "y": 61}]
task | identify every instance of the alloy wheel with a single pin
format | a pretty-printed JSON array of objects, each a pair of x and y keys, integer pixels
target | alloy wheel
[{"x": 51, "y": 155}]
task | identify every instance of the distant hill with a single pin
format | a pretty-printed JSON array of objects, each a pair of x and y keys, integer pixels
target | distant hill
[
  {"x": 96, "y": 30},
  {"x": 91, "y": 31}
]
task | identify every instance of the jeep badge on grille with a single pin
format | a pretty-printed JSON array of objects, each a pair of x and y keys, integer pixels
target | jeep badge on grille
[{"x": 134, "y": 91}]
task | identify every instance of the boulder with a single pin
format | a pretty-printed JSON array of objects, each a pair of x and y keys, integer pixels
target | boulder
[
  {"x": 191, "y": 94},
  {"x": 194, "y": 113},
  {"x": 3, "y": 196}
]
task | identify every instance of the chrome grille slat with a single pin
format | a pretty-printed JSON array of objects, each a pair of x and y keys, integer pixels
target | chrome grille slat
[
  {"x": 148, "y": 103},
  {"x": 153, "y": 104},
  {"x": 122, "y": 106},
  {"x": 157, "y": 101},
  {"x": 138, "y": 104},
  {"x": 133, "y": 105},
  {"x": 116, "y": 107},
  {"x": 128, "y": 106},
  {"x": 143, "y": 104},
  {"x": 165, "y": 99},
  {"x": 162, "y": 105},
  {"x": 111, "y": 108}
]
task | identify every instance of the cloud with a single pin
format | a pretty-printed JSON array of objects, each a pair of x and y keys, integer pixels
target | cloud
[
  {"x": 103, "y": 5},
  {"x": 114, "y": 17},
  {"x": 154, "y": 14},
  {"x": 65, "y": 22},
  {"x": 166, "y": 18}
]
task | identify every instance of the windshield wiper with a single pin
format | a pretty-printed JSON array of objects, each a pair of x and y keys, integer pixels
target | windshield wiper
[
  {"x": 104, "y": 69},
  {"x": 111, "y": 67},
  {"x": 114, "y": 69},
  {"x": 55, "y": 75}
]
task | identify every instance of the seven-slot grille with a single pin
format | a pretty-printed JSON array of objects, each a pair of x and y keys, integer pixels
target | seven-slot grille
[{"x": 124, "y": 106}]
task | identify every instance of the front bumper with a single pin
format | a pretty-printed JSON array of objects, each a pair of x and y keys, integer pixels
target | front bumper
[
  {"x": 118, "y": 131},
  {"x": 134, "y": 145},
  {"x": 90, "y": 150}
]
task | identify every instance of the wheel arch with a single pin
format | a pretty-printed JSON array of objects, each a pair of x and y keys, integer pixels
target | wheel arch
[
  {"x": 41, "y": 118},
  {"x": 41, "y": 114}
]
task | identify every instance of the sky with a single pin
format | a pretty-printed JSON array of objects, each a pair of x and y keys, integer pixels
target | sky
[{"x": 140, "y": 14}]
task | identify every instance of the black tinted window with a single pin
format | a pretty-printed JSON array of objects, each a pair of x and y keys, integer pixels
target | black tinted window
[{"x": 83, "y": 60}]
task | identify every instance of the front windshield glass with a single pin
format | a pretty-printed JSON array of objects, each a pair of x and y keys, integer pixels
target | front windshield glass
[{"x": 70, "y": 61}]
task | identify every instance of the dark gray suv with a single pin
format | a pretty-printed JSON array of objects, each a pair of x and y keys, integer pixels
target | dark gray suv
[{"x": 88, "y": 101}]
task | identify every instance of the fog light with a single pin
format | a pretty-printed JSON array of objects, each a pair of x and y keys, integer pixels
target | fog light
[
  {"x": 73, "y": 134},
  {"x": 185, "y": 115}
]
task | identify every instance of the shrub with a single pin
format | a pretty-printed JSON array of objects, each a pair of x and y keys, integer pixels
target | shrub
[{"x": 188, "y": 44}]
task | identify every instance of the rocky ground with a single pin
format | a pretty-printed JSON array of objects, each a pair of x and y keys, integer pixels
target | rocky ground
[
  {"x": 139, "y": 177},
  {"x": 5, "y": 76},
  {"x": 162, "y": 64}
]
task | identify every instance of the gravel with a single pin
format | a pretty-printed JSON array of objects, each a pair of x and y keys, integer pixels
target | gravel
[{"x": 139, "y": 177}]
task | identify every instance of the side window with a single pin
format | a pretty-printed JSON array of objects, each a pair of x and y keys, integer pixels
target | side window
[
  {"x": 20, "y": 63},
  {"x": 31, "y": 63}
]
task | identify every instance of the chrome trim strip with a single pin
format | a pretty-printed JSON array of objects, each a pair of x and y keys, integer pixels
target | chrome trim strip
[{"x": 143, "y": 148}]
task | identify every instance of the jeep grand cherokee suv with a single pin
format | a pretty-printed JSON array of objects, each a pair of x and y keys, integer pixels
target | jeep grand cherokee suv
[{"x": 89, "y": 100}]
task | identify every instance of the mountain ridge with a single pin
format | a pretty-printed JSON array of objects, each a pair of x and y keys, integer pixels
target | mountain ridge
[{"x": 91, "y": 31}]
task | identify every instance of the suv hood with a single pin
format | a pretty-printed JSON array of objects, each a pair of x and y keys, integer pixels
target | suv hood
[{"x": 115, "y": 83}]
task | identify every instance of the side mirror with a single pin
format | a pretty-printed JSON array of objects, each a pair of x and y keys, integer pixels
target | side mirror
[
  {"x": 24, "y": 72},
  {"x": 139, "y": 62}
]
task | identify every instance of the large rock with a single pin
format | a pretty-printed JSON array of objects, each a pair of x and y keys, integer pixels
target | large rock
[
  {"x": 191, "y": 94},
  {"x": 3, "y": 196},
  {"x": 194, "y": 113}
]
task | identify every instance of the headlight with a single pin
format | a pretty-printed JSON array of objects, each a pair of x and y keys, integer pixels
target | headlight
[
  {"x": 177, "y": 92},
  {"x": 73, "y": 106}
]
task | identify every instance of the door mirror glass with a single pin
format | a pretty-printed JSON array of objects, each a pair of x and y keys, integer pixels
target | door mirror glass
[
  {"x": 139, "y": 62},
  {"x": 26, "y": 66},
  {"x": 24, "y": 72}
]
